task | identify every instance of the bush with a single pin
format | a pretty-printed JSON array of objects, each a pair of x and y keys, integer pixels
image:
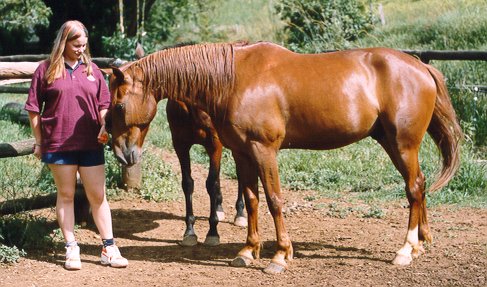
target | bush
[
  {"x": 317, "y": 25},
  {"x": 10, "y": 254},
  {"x": 119, "y": 46},
  {"x": 25, "y": 232}
]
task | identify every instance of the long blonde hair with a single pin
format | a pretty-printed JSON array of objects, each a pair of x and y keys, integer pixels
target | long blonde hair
[{"x": 69, "y": 31}]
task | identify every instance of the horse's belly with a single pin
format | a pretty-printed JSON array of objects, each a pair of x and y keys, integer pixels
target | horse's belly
[
  {"x": 320, "y": 141},
  {"x": 327, "y": 132}
]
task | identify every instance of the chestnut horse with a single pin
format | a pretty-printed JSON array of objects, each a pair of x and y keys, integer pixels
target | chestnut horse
[{"x": 262, "y": 98}]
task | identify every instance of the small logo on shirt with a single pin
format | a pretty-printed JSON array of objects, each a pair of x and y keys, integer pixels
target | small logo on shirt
[{"x": 91, "y": 78}]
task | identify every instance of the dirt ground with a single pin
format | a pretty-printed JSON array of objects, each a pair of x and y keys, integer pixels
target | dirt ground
[{"x": 328, "y": 250}]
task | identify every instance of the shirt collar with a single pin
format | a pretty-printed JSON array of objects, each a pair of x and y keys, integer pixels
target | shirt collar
[{"x": 70, "y": 69}]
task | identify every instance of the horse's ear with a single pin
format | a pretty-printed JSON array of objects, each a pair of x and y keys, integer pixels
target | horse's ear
[
  {"x": 106, "y": 71},
  {"x": 119, "y": 75}
]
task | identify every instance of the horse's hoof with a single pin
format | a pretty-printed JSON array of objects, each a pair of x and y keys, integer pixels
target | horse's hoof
[
  {"x": 275, "y": 268},
  {"x": 402, "y": 260},
  {"x": 212, "y": 240},
  {"x": 190, "y": 240},
  {"x": 241, "y": 261},
  {"x": 240, "y": 221},
  {"x": 220, "y": 215}
]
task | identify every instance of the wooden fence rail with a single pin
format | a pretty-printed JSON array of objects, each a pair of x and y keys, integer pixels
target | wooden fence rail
[
  {"x": 427, "y": 56},
  {"x": 102, "y": 62},
  {"x": 25, "y": 69}
]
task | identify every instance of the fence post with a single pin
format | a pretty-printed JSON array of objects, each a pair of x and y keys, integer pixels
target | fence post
[{"x": 132, "y": 176}]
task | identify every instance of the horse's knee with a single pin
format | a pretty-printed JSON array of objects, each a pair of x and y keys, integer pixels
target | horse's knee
[
  {"x": 187, "y": 184},
  {"x": 275, "y": 204}
]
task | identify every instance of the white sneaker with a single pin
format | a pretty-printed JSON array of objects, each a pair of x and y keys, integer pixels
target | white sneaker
[
  {"x": 73, "y": 261},
  {"x": 110, "y": 255}
]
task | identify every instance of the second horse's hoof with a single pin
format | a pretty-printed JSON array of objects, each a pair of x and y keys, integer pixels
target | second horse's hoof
[
  {"x": 190, "y": 240},
  {"x": 212, "y": 240}
]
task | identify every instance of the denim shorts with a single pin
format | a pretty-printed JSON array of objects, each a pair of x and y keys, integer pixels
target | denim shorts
[{"x": 80, "y": 158}]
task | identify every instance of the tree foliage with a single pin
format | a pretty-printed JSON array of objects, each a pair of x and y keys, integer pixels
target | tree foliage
[
  {"x": 159, "y": 17},
  {"x": 18, "y": 20},
  {"x": 22, "y": 15}
]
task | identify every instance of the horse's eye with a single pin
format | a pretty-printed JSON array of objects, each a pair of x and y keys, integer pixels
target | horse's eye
[{"x": 120, "y": 107}]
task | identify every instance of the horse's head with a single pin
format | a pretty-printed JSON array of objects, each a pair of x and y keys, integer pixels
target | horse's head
[{"x": 133, "y": 108}]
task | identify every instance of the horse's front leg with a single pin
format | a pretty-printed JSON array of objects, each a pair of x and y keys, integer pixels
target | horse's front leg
[
  {"x": 214, "y": 151},
  {"x": 187, "y": 183},
  {"x": 247, "y": 177},
  {"x": 266, "y": 158}
]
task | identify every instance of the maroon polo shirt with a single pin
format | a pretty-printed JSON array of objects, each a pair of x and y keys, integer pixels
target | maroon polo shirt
[{"x": 69, "y": 108}]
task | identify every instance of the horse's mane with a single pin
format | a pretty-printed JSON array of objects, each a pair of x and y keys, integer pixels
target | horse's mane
[{"x": 191, "y": 72}]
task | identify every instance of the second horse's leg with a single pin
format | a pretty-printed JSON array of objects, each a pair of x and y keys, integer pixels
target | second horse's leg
[
  {"x": 187, "y": 183},
  {"x": 214, "y": 150}
]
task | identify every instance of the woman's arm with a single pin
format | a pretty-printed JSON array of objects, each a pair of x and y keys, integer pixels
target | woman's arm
[{"x": 35, "y": 125}]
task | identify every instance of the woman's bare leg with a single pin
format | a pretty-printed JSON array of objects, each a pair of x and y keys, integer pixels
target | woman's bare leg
[
  {"x": 65, "y": 180},
  {"x": 93, "y": 178}
]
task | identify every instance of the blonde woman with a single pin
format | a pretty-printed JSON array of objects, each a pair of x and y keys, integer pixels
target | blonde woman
[{"x": 67, "y": 103}]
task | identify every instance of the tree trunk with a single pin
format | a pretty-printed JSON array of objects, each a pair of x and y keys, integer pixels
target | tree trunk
[{"x": 120, "y": 10}]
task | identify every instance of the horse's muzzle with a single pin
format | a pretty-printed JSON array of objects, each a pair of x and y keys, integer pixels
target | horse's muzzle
[{"x": 128, "y": 156}]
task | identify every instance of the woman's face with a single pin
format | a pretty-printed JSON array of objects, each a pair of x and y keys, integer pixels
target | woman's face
[{"x": 75, "y": 48}]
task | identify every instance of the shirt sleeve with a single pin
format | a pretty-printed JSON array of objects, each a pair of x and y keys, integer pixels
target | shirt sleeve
[
  {"x": 104, "y": 100},
  {"x": 35, "y": 96}
]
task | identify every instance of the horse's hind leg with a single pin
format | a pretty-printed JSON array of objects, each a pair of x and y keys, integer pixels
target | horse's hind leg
[
  {"x": 214, "y": 150},
  {"x": 405, "y": 157},
  {"x": 187, "y": 182}
]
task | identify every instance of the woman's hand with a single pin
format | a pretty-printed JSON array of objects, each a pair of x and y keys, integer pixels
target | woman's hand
[
  {"x": 36, "y": 149},
  {"x": 103, "y": 135}
]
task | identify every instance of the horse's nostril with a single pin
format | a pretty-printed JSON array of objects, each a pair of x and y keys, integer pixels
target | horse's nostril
[{"x": 120, "y": 107}]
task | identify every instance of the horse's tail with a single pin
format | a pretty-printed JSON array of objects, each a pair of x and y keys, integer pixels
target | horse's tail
[{"x": 445, "y": 131}]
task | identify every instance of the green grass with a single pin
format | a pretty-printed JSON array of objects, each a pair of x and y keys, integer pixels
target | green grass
[{"x": 432, "y": 24}]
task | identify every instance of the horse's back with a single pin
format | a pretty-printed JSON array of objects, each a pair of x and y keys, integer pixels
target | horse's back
[{"x": 332, "y": 99}]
